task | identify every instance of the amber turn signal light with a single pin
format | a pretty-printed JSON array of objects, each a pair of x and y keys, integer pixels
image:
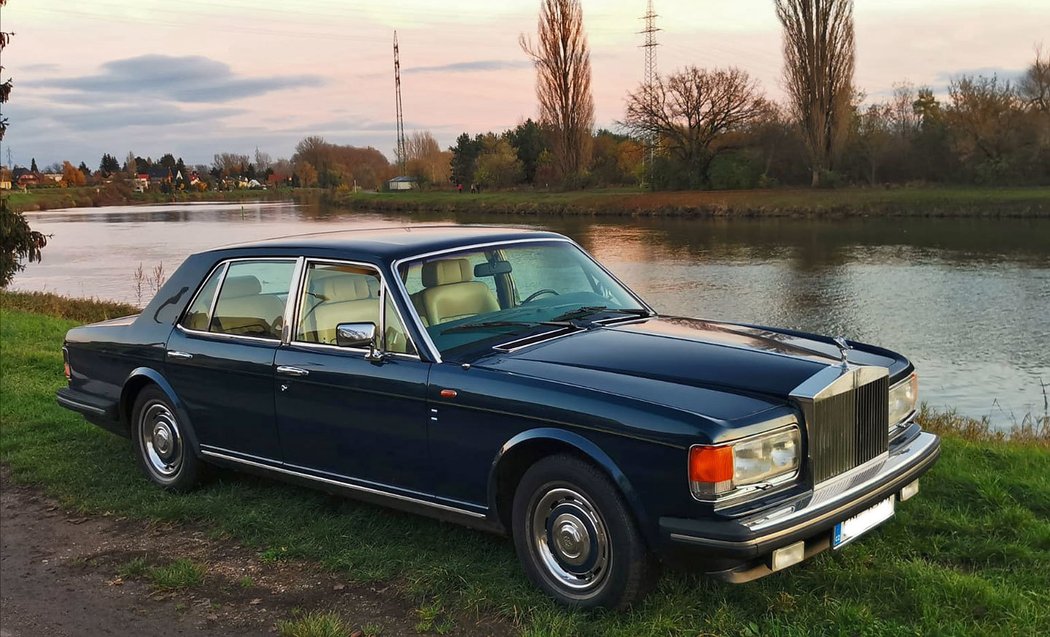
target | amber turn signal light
[{"x": 711, "y": 464}]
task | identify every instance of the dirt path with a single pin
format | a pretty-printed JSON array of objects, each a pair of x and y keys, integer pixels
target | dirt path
[{"x": 60, "y": 575}]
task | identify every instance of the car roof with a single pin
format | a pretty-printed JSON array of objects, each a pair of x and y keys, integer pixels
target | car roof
[{"x": 392, "y": 243}]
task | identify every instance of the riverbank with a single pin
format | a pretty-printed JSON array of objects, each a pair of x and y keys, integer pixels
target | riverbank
[
  {"x": 41, "y": 199},
  {"x": 841, "y": 202},
  {"x": 905, "y": 201},
  {"x": 968, "y": 556}
]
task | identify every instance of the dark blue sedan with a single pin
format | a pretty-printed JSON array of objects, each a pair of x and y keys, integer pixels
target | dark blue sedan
[{"x": 503, "y": 379}]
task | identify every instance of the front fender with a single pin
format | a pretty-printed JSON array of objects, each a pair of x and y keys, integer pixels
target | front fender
[
  {"x": 586, "y": 448},
  {"x": 141, "y": 376}
]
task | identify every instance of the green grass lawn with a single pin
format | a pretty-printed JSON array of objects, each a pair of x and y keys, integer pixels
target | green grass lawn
[
  {"x": 39, "y": 199},
  {"x": 969, "y": 555},
  {"x": 898, "y": 201}
]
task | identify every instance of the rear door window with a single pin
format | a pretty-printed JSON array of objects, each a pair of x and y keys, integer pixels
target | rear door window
[{"x": 252, "y": 299}]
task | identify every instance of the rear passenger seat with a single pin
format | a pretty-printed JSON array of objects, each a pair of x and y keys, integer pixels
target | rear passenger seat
[{"x": 243, "y": 309}]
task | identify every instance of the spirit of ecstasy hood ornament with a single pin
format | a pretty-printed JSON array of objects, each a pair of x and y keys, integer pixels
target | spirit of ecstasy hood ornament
[{"x": 844, "y": 349}]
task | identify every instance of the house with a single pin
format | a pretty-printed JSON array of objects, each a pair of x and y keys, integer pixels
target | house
[
  {"x": 401, "y": 183},
  {"x": 159, "y": 175},
  {"x": 140, "y": 182},
  {"x": 25, "y": 177}
]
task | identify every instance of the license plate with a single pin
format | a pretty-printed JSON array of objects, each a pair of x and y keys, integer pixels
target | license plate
[{"x": 852, "y": 528}]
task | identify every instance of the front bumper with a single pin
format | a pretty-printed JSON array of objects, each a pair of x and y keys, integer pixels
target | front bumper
[{"x": 745, "y": 543}]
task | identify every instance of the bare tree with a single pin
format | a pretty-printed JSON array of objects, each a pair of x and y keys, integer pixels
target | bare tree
[
  {"x": 563, "y": 83},
  {"x": 983, "y": 113},
  {"x": 425, "y": 159},
  {"x": 1034, "y": 86},
  {"x": 818, "y": 69},
  {"x": 262, "y": 160},
  {"x": 696, "y": 114},
  {"x": 230, "y": 164},
  {"x": 5, "y": 85}
]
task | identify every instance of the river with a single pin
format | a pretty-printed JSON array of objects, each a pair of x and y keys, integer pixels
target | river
[{"x": 967, "y": 299}]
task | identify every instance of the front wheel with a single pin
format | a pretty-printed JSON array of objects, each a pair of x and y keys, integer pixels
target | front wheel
[
  {"x": 576, "y": 539},
  {"x": 161, "y": 448}
]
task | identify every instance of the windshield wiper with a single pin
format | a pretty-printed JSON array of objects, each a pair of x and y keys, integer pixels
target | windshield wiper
[
  {"x": 591, "y": 310},
  {"x": 484, "y": 325}
]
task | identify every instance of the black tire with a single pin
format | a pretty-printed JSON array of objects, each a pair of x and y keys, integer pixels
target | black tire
[
  {"x": 162, "y": 449},
  {"x": 585, "y": 551}
]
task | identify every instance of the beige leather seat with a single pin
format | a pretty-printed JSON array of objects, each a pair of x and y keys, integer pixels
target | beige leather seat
[
  {"x": 347, "y": 299},
  {"x": 242, "y": 309},
  {"x": 450, "y": 292}
]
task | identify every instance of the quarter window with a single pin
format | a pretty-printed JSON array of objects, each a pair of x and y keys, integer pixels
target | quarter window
[{"x": 196, "y": 317}]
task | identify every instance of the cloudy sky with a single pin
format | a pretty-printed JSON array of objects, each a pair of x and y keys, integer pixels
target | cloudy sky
[{"x": 197, "y": 77}]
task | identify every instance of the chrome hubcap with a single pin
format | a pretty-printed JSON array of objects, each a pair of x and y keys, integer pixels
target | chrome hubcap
[
  {"x": 570, "y": 539},
  {"x": 161, "y": 442}
]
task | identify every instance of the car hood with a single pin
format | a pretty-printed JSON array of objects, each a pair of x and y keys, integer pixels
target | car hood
[{"x": 751, "y": 368}]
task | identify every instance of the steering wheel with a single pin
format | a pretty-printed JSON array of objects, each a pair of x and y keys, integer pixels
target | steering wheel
[{"x": 538, "y": 293}]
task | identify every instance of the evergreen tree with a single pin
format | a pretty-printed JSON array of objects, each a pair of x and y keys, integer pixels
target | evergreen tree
[{"x": 32, "y": 166}]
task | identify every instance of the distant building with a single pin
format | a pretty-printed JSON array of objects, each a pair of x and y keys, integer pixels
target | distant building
[
  {"x": 401, "y": 183},
  {"x": 25, "y": 177},
  {"x": 159, "y": 175},
  {"x": 140, "y": 183}
]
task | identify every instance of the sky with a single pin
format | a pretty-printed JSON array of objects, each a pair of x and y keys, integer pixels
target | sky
[{"x": 200, "y": 77}]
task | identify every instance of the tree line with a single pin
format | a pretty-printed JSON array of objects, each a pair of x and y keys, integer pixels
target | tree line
[{"x": 715, "y": 127}]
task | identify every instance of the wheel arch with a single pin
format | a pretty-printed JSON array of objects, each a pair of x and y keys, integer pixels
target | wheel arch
[
  {"x": 139, "y": 379},
  {"x": 524, "y": 449}
]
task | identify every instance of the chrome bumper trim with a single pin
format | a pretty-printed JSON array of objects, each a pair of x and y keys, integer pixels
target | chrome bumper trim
[
  {"x": 338, "y": 483},
  {"x": 76, "y": 405},
  {"x": 829, "y": 500}
]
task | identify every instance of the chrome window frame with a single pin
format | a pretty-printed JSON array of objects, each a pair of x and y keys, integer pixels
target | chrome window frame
[
  {"x": 431, "y": 347},
  {"x": 293, "y": 311},
  {"x": 225, "y": 265}
]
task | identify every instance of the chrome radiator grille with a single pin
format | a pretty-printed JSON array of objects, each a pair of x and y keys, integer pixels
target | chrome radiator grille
[
  {"x": 849, "y": 429},
  {"x": 846, "y": 419}
]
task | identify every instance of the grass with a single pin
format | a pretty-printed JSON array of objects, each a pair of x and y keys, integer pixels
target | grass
[
  {"x": 177, "y": 575},
  {"x": 969, "y": 556},
  {"x": 313, "y": 624},
  {"x": 779, "y": 202},
  {"x": 950, "y": 201},
  {"x": 118, "y": 195},
  {"x": 49, "y": 304}
]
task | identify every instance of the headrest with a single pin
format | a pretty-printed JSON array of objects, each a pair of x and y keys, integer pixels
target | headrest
[
  {"x": 246, "y": 285},
  {"x": 446, "y": 271},
  {"x": 346, "y": 288}
]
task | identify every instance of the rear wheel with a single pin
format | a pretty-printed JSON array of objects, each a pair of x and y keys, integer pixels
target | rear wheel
[
  {"x": 161, "y": 448},
  {"x": 575, "y": 537}
]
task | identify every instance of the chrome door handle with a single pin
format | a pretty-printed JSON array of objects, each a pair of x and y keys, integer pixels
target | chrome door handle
[
  {"x": 181, "y": 355},
  {"x": 291, "y": 371}
]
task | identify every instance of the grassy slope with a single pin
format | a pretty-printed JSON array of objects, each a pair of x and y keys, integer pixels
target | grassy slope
[
  {"x": 969, "y": 555},
  {"x": 91, "y": 196},
  {"x": 905, "y": 201}
]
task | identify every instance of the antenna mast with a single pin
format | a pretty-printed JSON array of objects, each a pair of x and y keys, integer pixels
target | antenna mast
[
  {"x": 651, "y": 79},
  {"x": 400, "y": 112}
]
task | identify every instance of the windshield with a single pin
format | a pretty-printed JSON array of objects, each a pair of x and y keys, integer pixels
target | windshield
[{"x": 484, "y": 296}]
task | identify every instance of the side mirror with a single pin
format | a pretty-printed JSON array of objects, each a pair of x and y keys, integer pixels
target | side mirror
[{"x": 356, "y": 335}]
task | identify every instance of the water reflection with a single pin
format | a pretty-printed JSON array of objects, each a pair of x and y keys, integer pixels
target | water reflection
[{"x": 967, "y": 299}]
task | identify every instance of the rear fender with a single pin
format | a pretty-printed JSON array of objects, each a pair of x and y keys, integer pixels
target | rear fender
[{"x": 141, "y": 376}]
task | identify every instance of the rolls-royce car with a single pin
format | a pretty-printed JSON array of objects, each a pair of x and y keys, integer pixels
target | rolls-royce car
[{"x": 503, "y": 379}]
